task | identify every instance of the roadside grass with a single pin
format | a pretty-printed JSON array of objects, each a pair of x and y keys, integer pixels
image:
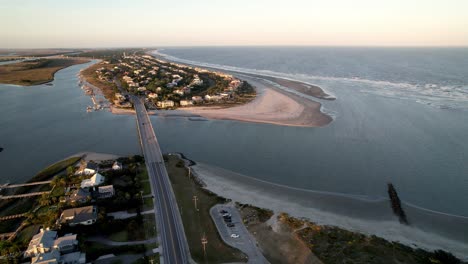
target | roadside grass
[
  {"x": 108, "y": 89},
  {"x": 120, "y": 236},
  {"x": 29, "y": 73},
  {"x": 149, "y": 224},
  {"x": 198, "y": 223},
  {"x": 94, "y": 250},
  {"x": 134, "y": 229},
  {"x": 146, "y": 186},
  {"x": 148, "y": 204},
  {"x": 143, "y": 173}
]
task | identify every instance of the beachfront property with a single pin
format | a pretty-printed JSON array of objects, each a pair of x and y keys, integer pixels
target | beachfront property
[
  {"x": 164, "y": 81},
  {"x": 197, "y": 99},
  {"x": 95, "y": 180},
  {"x": 79, "y": 216},
  {"x": 165, "y": 104},
  {"x": 186, "y": 102}
]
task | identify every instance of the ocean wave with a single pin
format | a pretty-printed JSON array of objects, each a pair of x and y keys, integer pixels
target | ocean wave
[{"x": 439, "y": 96}]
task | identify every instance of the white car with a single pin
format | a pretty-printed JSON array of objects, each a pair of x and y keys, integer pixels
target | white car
[{"x": 234, "y": 235}]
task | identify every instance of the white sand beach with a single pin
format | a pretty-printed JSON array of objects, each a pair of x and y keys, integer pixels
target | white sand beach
[
  {"x": 272, "y": 106},
  {"x": 372, "y": 217}
]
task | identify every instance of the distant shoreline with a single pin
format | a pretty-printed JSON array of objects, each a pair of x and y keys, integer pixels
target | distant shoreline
[{"x": 29, "y": 74}]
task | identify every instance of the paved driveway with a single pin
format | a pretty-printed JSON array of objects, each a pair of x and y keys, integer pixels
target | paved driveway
[{"x": 245, "y": 242}]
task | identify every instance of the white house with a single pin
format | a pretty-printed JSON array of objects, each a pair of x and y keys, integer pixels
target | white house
[
  {"x": 179, "y": 91},
  {"x": 117, "y": 166},
  {"x": 91, "y": 168},
  {"x": 95, "y": 180},
  {"x": 165, "y": 104},
  {"x": 197, "y": 99},
  {"x": 153, "y": 95},
  {"x": 186, "y": 102}
]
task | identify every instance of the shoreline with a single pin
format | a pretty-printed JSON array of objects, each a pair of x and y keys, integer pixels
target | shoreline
[
  {"x": 74, "y": 61},
  {"x": 271, "y": 106},
  {"x": 353, "y": 213}
]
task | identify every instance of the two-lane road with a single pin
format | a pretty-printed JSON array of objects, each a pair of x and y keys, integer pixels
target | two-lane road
[{"x": 173, "y": 240}]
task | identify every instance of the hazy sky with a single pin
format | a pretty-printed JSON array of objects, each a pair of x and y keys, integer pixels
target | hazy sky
[{"x": 105, "y": 23}]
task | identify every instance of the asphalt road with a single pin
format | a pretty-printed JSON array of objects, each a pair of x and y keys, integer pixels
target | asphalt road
[
  {"x": 173, "y": 241},
  {"x": 245, "y": 242}
]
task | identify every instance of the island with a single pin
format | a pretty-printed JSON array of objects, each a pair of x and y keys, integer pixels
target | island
[
  {"x": 191, "y": 91},
  {"x": 35, "y": 71}
]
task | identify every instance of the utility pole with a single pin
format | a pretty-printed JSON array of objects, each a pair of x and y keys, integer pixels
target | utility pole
[
  {"x": 195, "y": 199},
  {"x": 204, "y": 241}
]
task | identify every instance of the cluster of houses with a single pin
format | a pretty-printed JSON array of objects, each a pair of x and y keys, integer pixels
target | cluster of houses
[
  {"x": 141, "y": 71},
  {"x": 47, "y": 248}
]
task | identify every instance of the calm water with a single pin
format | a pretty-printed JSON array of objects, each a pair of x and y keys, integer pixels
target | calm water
[{"x": 401, "y": 116}]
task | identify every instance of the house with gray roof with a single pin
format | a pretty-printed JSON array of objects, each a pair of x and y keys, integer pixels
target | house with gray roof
[{"x": 79, "y": 216}]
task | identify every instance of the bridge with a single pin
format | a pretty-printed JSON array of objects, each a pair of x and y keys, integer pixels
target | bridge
[{"x": 173, "y": 241}]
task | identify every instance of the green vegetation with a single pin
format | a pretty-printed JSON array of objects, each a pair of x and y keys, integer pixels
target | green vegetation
[
  {"x": 50, "y": 171},
  {"x": 94, "y": 250},
  {"x": 111, "y": 55},
  {"x": 34, "y": 72},
  {"x": 336, "y": 245},
  {"x": 198, "y": 223},
  {"x": 19, "y": 206},
  {"x": 107, "y": 87}
]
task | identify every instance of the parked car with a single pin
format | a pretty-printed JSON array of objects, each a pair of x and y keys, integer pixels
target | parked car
[
  {"x": 231, "y": 225},
  {"x": 227, "y": 214},
  {"x": 223, "y": 212},
  {"x": 234, "y": 235},
  {"x": 228, "y": 220}
]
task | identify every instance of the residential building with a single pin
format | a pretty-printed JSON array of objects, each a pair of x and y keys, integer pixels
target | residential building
[
  {"x": 91, "y": 168},
  {"x": 186, "y": 102},
  {"x": 79, "y": 216},
  {"x": 41, "y": 242},
  {"x": 79, "y": 195},
  {"x": 197, "y": 99},
  {"x": 165, "y": 104},
  {"x": 117, "y": 166},
  {"x": 153, "y": 95},
  {"x": 179, "y": 91},
  {"x": 105, "y": 191},
  {"x": 95, "y": 180},
  {"x": 66, "y": 244}
]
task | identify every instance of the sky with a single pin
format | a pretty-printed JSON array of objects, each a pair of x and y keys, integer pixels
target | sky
[{"x": 139, "y": 23}]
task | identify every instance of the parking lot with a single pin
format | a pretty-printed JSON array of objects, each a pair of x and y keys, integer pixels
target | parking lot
[{"x": 244, "y": 242}]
